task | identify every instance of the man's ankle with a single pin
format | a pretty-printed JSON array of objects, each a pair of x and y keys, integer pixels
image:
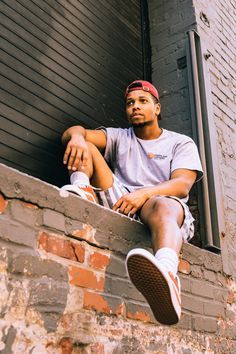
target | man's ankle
[
  {"x": 168, "y": 257},
  {"x": 79, "y": 178}
]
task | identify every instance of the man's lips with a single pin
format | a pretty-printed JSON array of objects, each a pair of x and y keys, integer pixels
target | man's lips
[{"x": 136, "y": 115}]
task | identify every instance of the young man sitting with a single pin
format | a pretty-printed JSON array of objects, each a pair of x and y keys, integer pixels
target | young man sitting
[{"x": 147, "y": 172}]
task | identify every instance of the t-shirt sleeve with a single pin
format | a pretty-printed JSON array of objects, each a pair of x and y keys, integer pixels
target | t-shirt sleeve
[
  {"x": 186, "y": 156},
  {"x": 111, "y": 145}
]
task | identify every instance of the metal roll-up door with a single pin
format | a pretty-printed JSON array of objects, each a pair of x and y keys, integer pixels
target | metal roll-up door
[{"x": 63, "y": 63}]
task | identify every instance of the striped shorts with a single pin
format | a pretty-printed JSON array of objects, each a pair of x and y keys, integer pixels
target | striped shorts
[{"x": 110, "y": 196}]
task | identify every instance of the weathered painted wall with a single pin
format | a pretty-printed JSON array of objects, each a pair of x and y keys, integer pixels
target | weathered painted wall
[
  {"x": 169, "y": 21},
  {"x": 63, "y": 285},
  {"x": 64, "y": 288},
  {"x": 216, "y": 24},
  {"x": 215, "y": 21}
]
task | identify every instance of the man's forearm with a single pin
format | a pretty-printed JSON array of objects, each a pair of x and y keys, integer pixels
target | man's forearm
[
  {"x": 71, "y": 131},
  {"x": 176, "y": 187},
  {"x": 133, "y": 201}
]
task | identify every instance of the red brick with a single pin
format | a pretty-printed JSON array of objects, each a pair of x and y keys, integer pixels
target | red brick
[
  {"x": 86, "y": 278},
  {"x": 30, "y": 205},
  {"x": 3, "y": 204},
  {"x": 121, "y": 310},
  {"x": 142, "y": 316},
  {"x": 79, "y": 252},
  {"x": 66, "y": 345},
  {"x": 57, "y": 246},
  {"x": 184, "y": 267},
  {"x": 116, "y": 332},
  {"x": 140, "y": 312},
  {"x": 93, "y": 301},
  {"x": 87, "y": 233},
  {"x": 97, "y": 348},
  {"x": 99, "y": 261},
  {"x": 230, "y": 298}
]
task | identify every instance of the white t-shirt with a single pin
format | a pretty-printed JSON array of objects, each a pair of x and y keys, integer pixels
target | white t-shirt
[{"x": 142, "y": 163}]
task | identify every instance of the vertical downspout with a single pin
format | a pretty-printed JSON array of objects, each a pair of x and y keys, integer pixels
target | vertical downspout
[{"x": 211, "y": 243}]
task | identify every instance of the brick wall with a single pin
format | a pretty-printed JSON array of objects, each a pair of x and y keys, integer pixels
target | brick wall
[
  {"x": 64, "y": 287},
  {"x": 215, "y": 22},
  {"x": 169, "y": 22},
  {"x": 216, "y": 26}
]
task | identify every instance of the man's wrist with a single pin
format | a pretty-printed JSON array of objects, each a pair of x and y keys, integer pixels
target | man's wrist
[
  {"x": 76, "y": 131},
  {"x": 148, "y": 193}
]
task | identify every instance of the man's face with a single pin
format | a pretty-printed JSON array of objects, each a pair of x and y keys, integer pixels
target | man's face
[{"x": 141, "y": 110}]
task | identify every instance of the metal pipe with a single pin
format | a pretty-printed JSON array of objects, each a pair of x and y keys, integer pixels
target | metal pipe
[{"x": 197, "y": 99}]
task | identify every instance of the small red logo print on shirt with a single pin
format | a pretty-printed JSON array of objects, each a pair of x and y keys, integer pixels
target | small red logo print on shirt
[{"x": 150, "y": 155}]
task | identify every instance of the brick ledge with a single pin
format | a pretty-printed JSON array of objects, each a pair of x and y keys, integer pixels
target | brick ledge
[{"x": 111, "y": 230}]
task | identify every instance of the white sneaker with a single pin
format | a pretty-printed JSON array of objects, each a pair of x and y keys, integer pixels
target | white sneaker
[
  {"x": 159, "y": 287},
  {"x": 85, "y": 192}
]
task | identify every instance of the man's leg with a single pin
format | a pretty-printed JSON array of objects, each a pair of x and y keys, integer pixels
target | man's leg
[
  {"x": 96, "y": 173},
  {"x": 164, "y": 217},
  {"x": 156, "y": 276}
]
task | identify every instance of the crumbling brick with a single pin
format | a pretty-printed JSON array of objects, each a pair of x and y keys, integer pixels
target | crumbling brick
[
  {"x": 54, "y": 220},
  {"x": 86, "y": 278},
  {"x": 139, "y": 312},
  {"x": 99, "y": 260},
  {"x": 184, "y": 267},
  {"x": 79, "y": 252},
  {"x": 3, "y": 203},
  {"x": 26, "y": 213},
  {"x": 66, "y": 345},
  {"x": 55, "y": 244},
  {"x": 97, "y": 302},
  {"x": 97, "y": 348},
  {"x": 15, "y": 232},
  {"x": 205, "y": 324}
]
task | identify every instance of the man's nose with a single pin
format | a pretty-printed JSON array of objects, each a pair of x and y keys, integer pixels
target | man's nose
[{"x": 136, "y": 105}]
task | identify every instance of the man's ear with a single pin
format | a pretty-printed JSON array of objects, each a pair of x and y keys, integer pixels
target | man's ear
[{"x": 158, "y": 109}]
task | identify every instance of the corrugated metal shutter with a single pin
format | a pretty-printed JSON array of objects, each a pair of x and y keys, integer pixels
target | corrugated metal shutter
[{"x": 62, "y": 63}]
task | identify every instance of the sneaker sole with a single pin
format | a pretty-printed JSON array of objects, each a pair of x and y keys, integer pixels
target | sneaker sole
[{"x": 153, "y": 285}]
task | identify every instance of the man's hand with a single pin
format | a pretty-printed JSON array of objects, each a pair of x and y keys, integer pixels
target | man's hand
[
  {"x": 179, "y": 186},
  {"x": 76, "y": 154},
  {"x": 130, "y": 203}
]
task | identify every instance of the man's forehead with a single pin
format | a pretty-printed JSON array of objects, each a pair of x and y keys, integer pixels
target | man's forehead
[{"x": 138, "y": 94}]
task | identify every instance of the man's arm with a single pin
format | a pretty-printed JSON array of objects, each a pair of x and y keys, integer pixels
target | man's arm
[
  {"x": 179, "y": 185},
  {"x": 75, "y": 138}
]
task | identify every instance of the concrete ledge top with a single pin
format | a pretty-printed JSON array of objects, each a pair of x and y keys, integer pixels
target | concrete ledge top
[{"x": 114, "y": 231}]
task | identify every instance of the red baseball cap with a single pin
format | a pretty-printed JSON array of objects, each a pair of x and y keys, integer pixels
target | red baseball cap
[{"x": 142, "y": 85}]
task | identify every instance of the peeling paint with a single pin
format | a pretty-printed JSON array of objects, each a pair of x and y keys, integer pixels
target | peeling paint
[{"x": 87, "y": 233}]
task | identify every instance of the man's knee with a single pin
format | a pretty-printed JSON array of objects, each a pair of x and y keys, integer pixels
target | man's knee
[
  {"x": 161, "y": 208},
  {"x": 156, "y": 206}
]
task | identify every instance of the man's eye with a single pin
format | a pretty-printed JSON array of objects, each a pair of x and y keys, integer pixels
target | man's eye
[
  {"x": 129, "y": 103},
  {"x": 144, "y": 100}
]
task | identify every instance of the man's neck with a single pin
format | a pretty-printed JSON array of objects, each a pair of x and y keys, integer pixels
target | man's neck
[{"x": 147, "y": 132}]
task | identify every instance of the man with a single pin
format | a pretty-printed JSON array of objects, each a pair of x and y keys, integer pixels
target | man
[{"x": 143, "y": 171}]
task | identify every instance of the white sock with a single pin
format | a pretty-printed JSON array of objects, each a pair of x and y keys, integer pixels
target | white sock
[
  {"x": 168, "y": 258},
  {"x": 79, "y": 178}
]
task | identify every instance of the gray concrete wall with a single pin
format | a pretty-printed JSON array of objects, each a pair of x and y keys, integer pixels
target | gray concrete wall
[{"x": 64, "y": 288}]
